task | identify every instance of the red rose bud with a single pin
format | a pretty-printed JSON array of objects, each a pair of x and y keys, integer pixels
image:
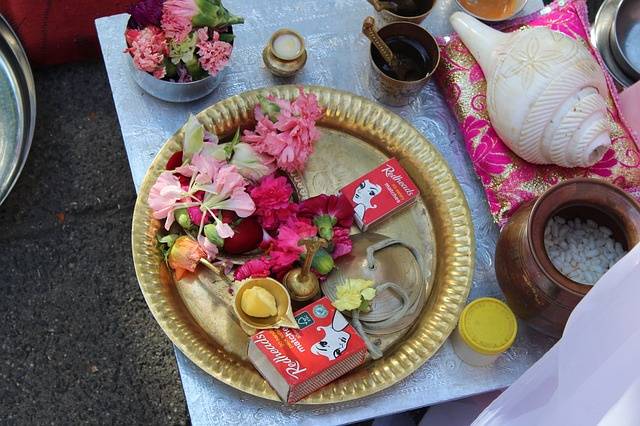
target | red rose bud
[
  {"x": 174, "y": 161},
  {"x": 228, "y": 216},
  {"x": 247, "y": 236}
]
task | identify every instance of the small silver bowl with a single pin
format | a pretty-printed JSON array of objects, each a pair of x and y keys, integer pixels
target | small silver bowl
[
  {"x": 624, "y": 38},
  {"x": 172, "y": 91}
]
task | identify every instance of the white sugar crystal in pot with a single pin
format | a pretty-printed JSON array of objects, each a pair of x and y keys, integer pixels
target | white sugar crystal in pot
[{"x": 582, "y": 251}]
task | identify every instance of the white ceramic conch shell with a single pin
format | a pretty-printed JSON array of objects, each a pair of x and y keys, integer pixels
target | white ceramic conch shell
[{"x": 545, "y": 92}]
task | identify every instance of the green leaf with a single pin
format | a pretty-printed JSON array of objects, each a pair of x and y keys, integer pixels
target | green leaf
[
  {"x": 195, "y": 70},
  {"x": 193, "y": 138},
  {"x": 216, "y": 151},
  {"x": 227, "y": 37},
  {"x": 230, "y": 146},
  {"x": 170, "y": 68},
  {"x": 214, "y": 15},
  {"x": 165, "y": 243},
  {"x": 269, "y": 108},
  {"x": 168, "y": 239},
  {"x": 364, "y": 306}
]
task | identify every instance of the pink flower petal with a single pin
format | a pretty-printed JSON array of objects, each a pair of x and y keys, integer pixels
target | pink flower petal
[
  {"x": 164, "y": 195},
  {"x": 239, "y": 202},
  {"x": 224, "y": 230},
  {"x": 209, "y": 248}
]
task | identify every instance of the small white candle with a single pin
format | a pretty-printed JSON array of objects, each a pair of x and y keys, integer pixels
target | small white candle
[{"x": 287, "y": 46}]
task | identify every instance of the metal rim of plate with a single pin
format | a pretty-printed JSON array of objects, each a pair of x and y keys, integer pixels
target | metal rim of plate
[
  {"x": 600, "y": 37},
  {"x": 441, "y": 193},
  {"x": 618, "y": 48},
  {"x": 17, "y": 104}
]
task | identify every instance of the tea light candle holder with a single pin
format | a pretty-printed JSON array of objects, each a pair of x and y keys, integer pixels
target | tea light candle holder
[{"x": 285, "y": 54}]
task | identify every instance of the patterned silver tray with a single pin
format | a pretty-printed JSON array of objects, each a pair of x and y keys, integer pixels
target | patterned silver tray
[{"x": 337, "y": 58}]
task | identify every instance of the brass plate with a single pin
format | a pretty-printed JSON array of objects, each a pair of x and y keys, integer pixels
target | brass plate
[{"x": 447, "y": 225}]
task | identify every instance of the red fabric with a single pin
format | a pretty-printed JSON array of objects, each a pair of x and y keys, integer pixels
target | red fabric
[{"x": 55, "y": 32}]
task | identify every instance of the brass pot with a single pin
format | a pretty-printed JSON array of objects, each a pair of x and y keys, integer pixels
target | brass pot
[
  {"x": 284, "y": 67},
  {"x": 395, "y": 92},
  {"x": 386, "y": 16},
  {"x": 535, "y": 290}
]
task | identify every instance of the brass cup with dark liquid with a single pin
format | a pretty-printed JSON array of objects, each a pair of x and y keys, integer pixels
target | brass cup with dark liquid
[
  {"x": 407, "y": 11},
  {"x": 387, "y": 87}
]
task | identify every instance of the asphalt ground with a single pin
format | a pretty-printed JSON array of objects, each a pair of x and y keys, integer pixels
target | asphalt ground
[{"x": 78, "y": 342}]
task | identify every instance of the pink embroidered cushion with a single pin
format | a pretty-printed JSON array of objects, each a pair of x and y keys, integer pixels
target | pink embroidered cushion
[{"x": 508, "y": 180}]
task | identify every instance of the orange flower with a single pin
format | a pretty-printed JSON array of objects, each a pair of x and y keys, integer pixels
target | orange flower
[{"x": 185, "y": 255}]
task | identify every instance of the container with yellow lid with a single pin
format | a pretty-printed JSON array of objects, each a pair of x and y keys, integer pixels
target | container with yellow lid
[{"x": 486, "y": 329}]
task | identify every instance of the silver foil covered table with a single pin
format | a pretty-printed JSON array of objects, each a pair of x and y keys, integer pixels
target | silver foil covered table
[{"x": 338, "y": 57}]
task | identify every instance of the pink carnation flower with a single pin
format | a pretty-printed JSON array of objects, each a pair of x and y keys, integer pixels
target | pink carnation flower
[
  {"x": 255, "y": 268},
  {"x": 164, "y": 197},
  {"x": 227, "y": 192},
  {"x": 341, "y": 242},
  {"x": 176, "y": 18},
  {"x": 213, "y": 54},
  {"x": 336, "y": 207},
  {"x": 272, "y": 199},
  {"x": 148, "y": 48},
  {"x": 290, "y": 139},
  {"x": 285, "y": 249},
  {"x": 182, "y": 8}
]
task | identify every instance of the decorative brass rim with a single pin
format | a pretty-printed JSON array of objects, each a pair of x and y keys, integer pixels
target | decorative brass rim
[{"x": 440, "y": 191}]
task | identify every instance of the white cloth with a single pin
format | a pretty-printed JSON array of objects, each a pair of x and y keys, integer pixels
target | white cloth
[{"x": 592, "y": 375}]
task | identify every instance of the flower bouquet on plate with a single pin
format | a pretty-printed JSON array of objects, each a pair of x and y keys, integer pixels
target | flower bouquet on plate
[
  {"x": 180, "y": 40},
  {"x": 231, "y": 206}
]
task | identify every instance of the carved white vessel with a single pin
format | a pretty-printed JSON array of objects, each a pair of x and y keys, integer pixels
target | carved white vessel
[{"x": 545, "y": 92}]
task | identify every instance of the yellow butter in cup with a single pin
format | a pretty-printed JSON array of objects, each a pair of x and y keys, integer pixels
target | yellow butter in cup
[
  {"x": 283, "y": 316},
  {"x": 258, "y": 302}
]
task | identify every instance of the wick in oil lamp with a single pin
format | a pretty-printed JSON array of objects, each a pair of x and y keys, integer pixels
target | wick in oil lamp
[
  {"x": 301, "y": 283},
  {"x": 285, "y": 54}
]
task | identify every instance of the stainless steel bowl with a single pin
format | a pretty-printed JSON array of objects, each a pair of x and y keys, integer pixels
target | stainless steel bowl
[
  {"x": 174, "y": 92},
  {"x": 600, "y": 31},
  {"x": 624, "y": 37},
  {"x": 17, "y": 108}
]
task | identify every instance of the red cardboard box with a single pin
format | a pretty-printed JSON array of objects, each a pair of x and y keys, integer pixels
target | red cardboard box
[
  {"x": 382, "y": 191},
  {"x": 297, "y": 362}
]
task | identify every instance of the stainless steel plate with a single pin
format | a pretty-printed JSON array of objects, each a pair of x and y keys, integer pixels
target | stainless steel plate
[
  {"x": 600, "y": 38},
  {"x": 17, "y": 108}
]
